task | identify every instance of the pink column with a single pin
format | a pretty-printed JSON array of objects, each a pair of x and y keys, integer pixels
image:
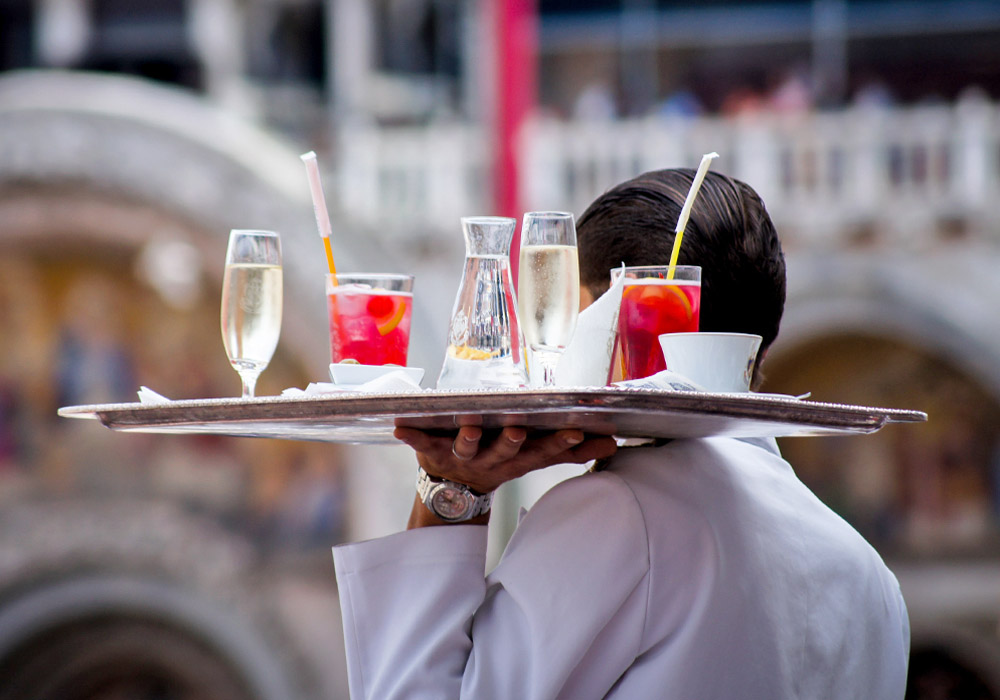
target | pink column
[{"x": 516, "y": 25}]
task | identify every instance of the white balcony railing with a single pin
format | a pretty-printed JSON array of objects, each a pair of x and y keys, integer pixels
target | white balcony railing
[{"x": 900, "y": 172}]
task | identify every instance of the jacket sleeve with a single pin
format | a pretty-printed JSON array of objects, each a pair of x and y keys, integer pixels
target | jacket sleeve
[{"x": 561, "y": 616}]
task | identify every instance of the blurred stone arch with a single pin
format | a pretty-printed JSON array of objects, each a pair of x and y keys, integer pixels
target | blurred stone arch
[
  {"x": 909, "y": 331},
  {"x": 116, "y": 198}
]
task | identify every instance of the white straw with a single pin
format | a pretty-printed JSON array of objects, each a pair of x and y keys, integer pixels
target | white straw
[
  {"x": 706, "y": 161},
  {"x": 316, "y": 189}
]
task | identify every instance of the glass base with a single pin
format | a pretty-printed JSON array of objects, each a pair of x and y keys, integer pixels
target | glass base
[
  {"x": 543, "y": 371},
  {"x": 457, "y": 373}
]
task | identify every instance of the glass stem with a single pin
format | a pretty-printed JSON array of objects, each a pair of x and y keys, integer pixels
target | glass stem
[
  {"x": 249, "y": 383},
  {"x": 547, "y": 361},
  {"x": 549, "y": 374}
]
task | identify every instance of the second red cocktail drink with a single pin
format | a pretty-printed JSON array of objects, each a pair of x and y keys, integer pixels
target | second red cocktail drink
[{"x": 653, "y": 304}]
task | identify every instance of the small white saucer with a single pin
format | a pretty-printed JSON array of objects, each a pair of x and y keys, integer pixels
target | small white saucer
[{"x": 354, "y": 375}]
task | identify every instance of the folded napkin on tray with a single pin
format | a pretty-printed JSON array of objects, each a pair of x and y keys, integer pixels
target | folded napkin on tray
[
  {"x": 391, "y": 383},
  {"x": 587, "y": 358},
  {"x": 148, "y": 396},
  {"x": 664, "y": 380}
]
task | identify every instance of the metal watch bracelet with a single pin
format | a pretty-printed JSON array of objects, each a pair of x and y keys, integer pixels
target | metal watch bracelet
[{"x": 450, "y": 500}]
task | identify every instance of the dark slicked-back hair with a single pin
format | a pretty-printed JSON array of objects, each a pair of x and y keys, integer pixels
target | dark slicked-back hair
[{"x": 729, "y": 234}]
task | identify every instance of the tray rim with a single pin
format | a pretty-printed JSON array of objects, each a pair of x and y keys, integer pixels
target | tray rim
[{"x": 188, "y": 412}]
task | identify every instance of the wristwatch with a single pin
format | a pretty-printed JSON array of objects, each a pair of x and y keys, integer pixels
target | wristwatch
[{"x": 450, "y": 500}]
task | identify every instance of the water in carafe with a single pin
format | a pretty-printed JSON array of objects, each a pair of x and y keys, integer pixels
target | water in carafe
[{"x": 484, "y": 339}]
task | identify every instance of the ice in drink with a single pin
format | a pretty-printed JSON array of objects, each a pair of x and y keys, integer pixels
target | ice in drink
[
  {"x": 369, "y": 325},
  {"x": 649, "y": 307}
]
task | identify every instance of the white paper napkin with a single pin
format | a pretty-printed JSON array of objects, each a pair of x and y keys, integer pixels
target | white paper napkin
[
  {"x": 664, "y": 380},
  {"x": 391, "y": 383},
  {"x": 587, "y": 358},
  {"x": 147, "y": 395}
]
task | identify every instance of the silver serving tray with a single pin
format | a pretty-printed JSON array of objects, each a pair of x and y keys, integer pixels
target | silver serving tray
[{"x": 370, "y": 418}]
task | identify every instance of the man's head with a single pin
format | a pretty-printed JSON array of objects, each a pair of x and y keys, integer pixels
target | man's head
[{"x": 729, "y": 235}]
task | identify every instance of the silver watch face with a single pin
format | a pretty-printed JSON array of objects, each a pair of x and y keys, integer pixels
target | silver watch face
[{"x": 450, "y": 503}]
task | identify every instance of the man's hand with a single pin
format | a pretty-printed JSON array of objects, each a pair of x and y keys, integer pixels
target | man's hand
[{"x": 463, "y": 458}]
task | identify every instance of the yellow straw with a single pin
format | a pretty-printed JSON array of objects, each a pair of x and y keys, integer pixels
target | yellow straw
[
  {"x": 706, "y": 161},
  {"x": 329, "y": 256},
  {"x": 319, "y": 207}
]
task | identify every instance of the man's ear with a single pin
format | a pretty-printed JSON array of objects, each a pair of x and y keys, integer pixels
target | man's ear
[
  {"x": 586, "y": 298},
  {"x": 758, "y": 375}
]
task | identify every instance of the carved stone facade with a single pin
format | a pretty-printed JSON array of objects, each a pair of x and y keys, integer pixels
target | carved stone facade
[
  {"x": 98, "y": 175},
  {"x": 195, "y": 568}
]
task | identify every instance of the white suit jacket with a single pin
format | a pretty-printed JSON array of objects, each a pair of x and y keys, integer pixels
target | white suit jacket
[{"x": 697, "y": 570}]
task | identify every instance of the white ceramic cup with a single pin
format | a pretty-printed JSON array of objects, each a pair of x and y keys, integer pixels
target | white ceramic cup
[{"x": 718, "y": 362}]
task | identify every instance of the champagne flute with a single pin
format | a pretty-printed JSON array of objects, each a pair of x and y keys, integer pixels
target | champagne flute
[
  {"x": 251, "y": 303},
  {"x": 548, "y": 288}
]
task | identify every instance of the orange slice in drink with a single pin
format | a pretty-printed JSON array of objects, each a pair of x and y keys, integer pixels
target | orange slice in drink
[
  {"x": 389, "y": 325},
  {"x": 464, "y": 352},
  {"x": 681, "y": 297},
  {"x": 662, "y": 297}
]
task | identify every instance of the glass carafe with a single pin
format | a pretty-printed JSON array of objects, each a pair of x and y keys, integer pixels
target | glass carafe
[{"x": 484, "y": 340}]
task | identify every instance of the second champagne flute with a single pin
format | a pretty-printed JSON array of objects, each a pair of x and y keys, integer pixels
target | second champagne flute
[
  {"x": 548, "y": 288},
  {"x": 251, "y": 303}
]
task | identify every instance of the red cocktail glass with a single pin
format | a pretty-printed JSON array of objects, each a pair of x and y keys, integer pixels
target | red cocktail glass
[
  {"x": 369, "y": 317},
  {"x": 654, "y": 302}
]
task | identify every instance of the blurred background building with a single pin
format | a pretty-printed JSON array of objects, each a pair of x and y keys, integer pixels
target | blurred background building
[{"x": 135, "y": 133}]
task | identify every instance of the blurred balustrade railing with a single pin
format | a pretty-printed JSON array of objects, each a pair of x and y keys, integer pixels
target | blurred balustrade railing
[{"x": 901, "y": 172}]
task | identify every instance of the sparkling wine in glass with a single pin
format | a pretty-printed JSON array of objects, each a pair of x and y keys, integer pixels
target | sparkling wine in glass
[
  {"x": 251, "y": 303},
  {"x": 548, "y": 289}
]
